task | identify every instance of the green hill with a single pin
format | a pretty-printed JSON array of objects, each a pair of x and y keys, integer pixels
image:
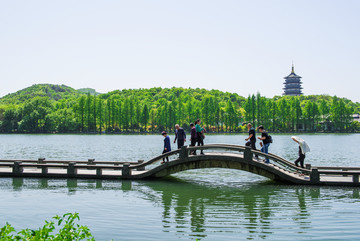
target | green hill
[
  {"x": 54, "y": 92},
  {"x": 88, "y": 90}
]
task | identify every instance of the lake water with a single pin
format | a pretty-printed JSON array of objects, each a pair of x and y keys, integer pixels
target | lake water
[{"x": 207, "y": 204}]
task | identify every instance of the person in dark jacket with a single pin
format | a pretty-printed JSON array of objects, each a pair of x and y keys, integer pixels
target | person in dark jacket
[
  {"x": 251, "y": 140},
  {"x": 265, "y": 138},
  {"x": 193, "y": 137},
  {"x": 180, "y": 136},
  {"x": 167, "y": 145}
]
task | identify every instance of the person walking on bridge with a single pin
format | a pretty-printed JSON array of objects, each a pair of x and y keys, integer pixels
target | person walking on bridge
[
  {"x": 193, "y": 137},
  {"x": 167, "y": 146},
  {"x": 180, "y": 136},
  {"x": 265, "y": 138},
  {"x": 199, "y": 134},
  {"x": 251, "y": 140},
  {"x": 303, "y": 148}
]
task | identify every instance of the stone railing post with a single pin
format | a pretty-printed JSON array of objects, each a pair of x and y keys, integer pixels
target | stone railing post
[
  {"x": 44, "y": 170},
  {"x": 90, "y": 162},
  {"x": 17, "y": 169},
  {"x": 71, "y": 170},
  {"x": 126, "y": 171},
  {"x": 355, "y": 178},
  {"x": 140, "y": 168},
  {"x": 314, "y": 176},
  {"x": 184, "y": 153},
  {"x": 248, "y": 156},
  {"x": 41, "y": 160},
  {"x": 99, "y": 172}
]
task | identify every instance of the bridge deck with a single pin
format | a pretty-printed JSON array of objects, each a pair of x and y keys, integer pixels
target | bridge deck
[
  {"x": 62, "y": 173},
  {"x": 114, "y": 174},
  {"x": 230, "y": 156}
]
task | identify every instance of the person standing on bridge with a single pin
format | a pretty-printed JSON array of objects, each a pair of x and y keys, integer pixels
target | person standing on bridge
[
  {"x": 193, "y": 137},
  {"x": 180, "y": 136},
  {"x": 303, "y": 148},
  {"x": 199, "y": 134},
  {"x": 251, "y": 140},
  {"x": 265, "y": 138},
  {"x": 167, "y": 146}
]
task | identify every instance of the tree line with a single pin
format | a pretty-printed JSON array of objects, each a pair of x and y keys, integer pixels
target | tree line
[{"x": 157, "y": 109}]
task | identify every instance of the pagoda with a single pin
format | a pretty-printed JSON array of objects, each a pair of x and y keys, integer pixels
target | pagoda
[{"x": 292, "y": 84}]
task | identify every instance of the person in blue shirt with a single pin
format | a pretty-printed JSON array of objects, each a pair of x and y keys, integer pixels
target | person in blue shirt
[{"x": 167, "y": 145}]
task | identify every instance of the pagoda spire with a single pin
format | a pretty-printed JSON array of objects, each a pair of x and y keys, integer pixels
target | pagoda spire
[{"x": 292, "y": 69}]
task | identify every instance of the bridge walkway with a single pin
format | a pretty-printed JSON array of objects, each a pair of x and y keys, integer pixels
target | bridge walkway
[{"x": 217, "y": 156}]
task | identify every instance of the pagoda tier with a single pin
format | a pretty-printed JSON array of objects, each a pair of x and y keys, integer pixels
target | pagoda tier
[{"x": 292, "y": 84}]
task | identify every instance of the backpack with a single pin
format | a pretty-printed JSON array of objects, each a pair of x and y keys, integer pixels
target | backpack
[{"x": 270, "y": 139}]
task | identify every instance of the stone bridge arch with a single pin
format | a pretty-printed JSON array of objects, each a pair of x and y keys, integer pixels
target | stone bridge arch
[{"x": 242, "y": 160}]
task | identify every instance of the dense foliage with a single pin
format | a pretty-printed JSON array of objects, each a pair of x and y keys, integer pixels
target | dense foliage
[
  {"x": 61, "y": 109},
  {"x": 60, "y": 228},
  {"x": 54, "y": 92}
]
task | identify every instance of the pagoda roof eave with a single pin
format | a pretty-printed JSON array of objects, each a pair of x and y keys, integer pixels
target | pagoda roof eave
[{"x": 292, "y": 76}]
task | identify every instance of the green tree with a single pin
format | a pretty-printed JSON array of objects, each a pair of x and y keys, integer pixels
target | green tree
[
  {"x": 145, "y": 117},
  {"x": 81, "y": 108}
]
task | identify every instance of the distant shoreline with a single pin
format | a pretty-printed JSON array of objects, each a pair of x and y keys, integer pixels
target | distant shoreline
[{"x": 158, "y": 133}]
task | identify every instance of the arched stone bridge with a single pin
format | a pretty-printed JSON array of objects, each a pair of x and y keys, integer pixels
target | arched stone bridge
[
  {"x": 220, "y": 156},
  {"x": 216, "y": 156},
  {"x": 242, "y": 158}
]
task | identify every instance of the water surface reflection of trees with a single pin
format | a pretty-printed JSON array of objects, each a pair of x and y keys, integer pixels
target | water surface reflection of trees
[
  {"x": 199, "y": 211},
  {"x": 248, "y": 211}
]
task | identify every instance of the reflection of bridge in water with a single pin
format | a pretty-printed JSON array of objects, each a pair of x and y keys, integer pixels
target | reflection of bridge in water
[
  {"x": 217, "y": 156},
  {"x": 199, "y": 210}
]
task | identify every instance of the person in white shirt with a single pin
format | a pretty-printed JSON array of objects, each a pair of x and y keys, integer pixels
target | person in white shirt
[{"x": 303, "y": 148}]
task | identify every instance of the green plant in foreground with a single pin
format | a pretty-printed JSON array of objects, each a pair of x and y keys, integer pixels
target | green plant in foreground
[{"x": 66, "y": 225}]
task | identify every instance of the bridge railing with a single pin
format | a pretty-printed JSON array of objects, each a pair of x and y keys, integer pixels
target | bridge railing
[
  {"x": 89, "y": 161},
  {"x": 285, "y": 164},
  {"x": 247, "y": 152},
  {"x": 185, "y": 152},
  {"x": 229, "y": 147},
  {"x": 277, "y": 159},
  {"x": 155, "y": 159},
  {"x": 354, "y": 172},
  {"x": 21, "y": 167}
]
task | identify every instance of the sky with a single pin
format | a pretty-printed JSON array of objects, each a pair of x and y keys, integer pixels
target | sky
[{"x": 237, "y": 46}]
